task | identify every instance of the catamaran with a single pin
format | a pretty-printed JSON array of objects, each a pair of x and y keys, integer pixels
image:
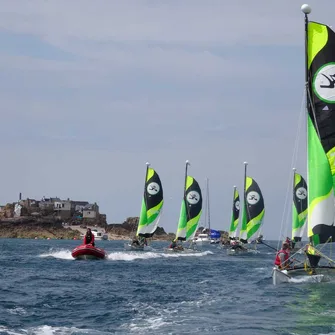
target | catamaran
[
  {"x": 320, "y": 100},
  {"x": 252, "y": 215},
  {"x": 151, "y": 210},
  {"x": 191, "y": 208}
]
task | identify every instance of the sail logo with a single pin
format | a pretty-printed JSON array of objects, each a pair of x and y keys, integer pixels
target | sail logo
[
  {"x": 193, "y": 197},
  {"x": 153, "y": 188},
  {"x": 253, "y": 197},
  {"x": 301, "y": 193},
  {"x": 324, "y": 83},
  {"x": 237, "y": 205}
]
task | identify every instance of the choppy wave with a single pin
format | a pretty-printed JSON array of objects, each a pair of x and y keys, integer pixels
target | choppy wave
[{"x": 135, "y": 292}]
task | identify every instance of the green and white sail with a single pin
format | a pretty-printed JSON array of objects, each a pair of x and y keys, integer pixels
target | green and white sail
[
  {"x": 253, "y": 209},
  {"x": 299, "y": 207},
  {"x": 235, "y": 214},
  {"x": 152, "y": 204},
  {"x": 320, "y": 73},
  {"x": 191, "y": 208}
]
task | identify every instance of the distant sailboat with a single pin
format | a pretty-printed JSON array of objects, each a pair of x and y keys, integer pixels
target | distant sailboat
[
  {"x": 252, "y": 214},
  {"x": 190, "y": 212},
  {"x": 152, "y": 205}
]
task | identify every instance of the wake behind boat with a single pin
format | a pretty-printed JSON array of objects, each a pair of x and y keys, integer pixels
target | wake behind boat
[{"x": 88, "y": 251}]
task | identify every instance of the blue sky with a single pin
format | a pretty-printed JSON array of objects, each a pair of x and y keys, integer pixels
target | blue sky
[{"x": 90, "y": 91}]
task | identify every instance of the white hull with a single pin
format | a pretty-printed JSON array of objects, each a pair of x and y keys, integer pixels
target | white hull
[
  {"x": 132, "y": 247},
  {"x": 301, "y": 276},
  {"x": 202, "y": 239},
  {"x": 202, "y": 242},
  {"x": 238, "y": 251},
  {"x": 184, "y": 251}
]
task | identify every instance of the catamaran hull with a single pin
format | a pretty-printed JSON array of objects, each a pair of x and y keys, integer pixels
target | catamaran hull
[
  {"x": 133, "y": 247},
  {"x": 238, "y": 251},
  {"x": 201, "y": 243},
  {"x": 181, "y": 251},
  {"x": 292, "y": 276},
  {"x": 88, "y": 252}
]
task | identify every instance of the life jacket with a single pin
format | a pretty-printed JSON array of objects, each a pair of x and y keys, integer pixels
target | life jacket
[
  {"x": 277, "y": 260},
  {"x": 88, "y": 238}
]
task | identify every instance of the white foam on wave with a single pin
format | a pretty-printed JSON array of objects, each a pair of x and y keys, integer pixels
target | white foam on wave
[
  {"x": 48, "y": 330},
  {"x": 58, "y": 253},
  {"x": 17, "y": 311},
  {"x": 153, "y": 323},
  {"x": 133, "y": 255},
  {"x": 309, "y": 279}
]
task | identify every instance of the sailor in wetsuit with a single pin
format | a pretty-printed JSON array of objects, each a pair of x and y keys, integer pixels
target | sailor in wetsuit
[{"x": 89, "y": 237}]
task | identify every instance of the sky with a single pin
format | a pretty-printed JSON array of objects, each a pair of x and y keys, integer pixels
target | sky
[{"x": 92, "y": 90}]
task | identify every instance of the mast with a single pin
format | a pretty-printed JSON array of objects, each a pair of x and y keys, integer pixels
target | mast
[
  {"x": 306, "y": 9},
  {"x": 233, "y": 209},
  {"x": 293, "y": 196},
  {"x": 208, "y": 210},
  {"x": 187, "y": 163},
  {"x": 245, "y": 208},
  {"x": 244, "y": 186},
  {"x": 145, "y": 182}
]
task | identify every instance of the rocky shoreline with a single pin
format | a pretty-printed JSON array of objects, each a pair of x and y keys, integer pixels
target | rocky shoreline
[{"x": 51, "y": 228}]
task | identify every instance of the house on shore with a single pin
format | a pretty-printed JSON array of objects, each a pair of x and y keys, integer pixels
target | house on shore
[{"x": 70, "y": 211}]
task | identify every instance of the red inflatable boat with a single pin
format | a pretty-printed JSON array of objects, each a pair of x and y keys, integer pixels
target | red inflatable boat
[{"x": 87, "y": 251}]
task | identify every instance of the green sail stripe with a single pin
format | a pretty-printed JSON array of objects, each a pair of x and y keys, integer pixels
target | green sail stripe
[
  {"x": 302, "y": 217},
  {"x": 295, "y": 219},
  {"x": 244, "y": 220},
  {"x": 236, "y": 194},
  {"x": 248, "y": 182},
  {"x": 143, "y": 217},
  {"x": 192, "y": 226},
  {"x": 297, "y": 179},
  {"x": 331, "y": 160},
  {"x": 233, "y": 227},
  {"x": 319, "y": 34},
  {"x": 181, "y": 230},
  {"x": 189, "y": 182},
  {"x": 151, "y": 172},
  {"x": 154, "y": 212},
  {"x": 255, "y": 224},
  {"x": 320, "y": 181}
]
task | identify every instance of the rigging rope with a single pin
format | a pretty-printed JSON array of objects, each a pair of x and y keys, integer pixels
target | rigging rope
[{"x": 285, "y": 216}]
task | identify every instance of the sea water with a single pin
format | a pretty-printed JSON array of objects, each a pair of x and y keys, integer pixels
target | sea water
[{"x": 44, "y": 291}]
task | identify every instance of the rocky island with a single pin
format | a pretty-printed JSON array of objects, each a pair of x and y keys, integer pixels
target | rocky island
[{"x": 53, "y": 218}]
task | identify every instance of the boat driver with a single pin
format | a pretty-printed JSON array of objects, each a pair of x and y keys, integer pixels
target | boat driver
[{"x": 89, "y": 237}]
